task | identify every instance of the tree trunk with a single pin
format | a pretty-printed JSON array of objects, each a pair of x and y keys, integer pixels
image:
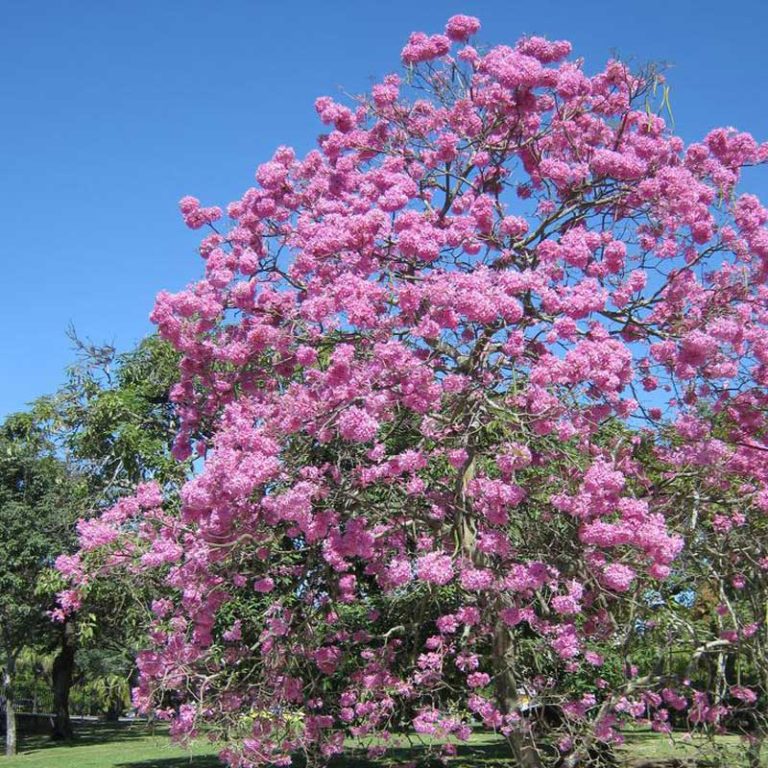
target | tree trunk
[
  {"x": 115, "y": 709},
  {"x": 521, "y": 743},
  {"x": 62, "y": 674},
  {"x": 10, "y": 711}
]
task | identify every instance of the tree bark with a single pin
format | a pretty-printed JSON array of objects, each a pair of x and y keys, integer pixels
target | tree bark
[
  {"x": 10, "y": 711},
  {"x": 62, "y": 674},
  {"x": 523, "y": 747}
]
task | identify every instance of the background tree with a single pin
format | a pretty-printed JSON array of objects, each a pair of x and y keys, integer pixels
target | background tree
[
  {"x": 114, "y": 421},
  {"x": 38, "y": 498},
  {"x": 114, "y": 416}
]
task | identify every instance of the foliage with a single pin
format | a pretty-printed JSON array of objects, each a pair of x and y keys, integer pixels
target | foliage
[
  {"x": 114, "y": 417},
  {"x": 36, "y": 493},
  {"x": 37, "y": 510},
  {"x": 114, "y": 421}
]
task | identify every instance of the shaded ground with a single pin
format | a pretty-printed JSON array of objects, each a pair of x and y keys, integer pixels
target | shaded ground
[
  {"x": 111, "y": 746},
  {"x": 136, "y": 746}
]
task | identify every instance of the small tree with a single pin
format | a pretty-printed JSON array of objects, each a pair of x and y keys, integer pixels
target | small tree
[{"x": 454, "y": 372}]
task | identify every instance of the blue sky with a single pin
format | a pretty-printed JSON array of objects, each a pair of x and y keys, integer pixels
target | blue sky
[{"x": 115, "y": 110}]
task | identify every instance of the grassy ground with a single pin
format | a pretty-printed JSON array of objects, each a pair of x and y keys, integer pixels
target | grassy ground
[
  {"x": 134, "y": 746},
  {"x": 646, "y": 748},
  {"x": 103, "y": 746}
]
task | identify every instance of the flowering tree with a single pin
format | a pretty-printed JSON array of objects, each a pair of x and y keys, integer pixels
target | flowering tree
[{"x": 468, "y": 385}]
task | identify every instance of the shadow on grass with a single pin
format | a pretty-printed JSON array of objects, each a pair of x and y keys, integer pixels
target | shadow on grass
[
  {"x": 87, "y": 734},
  {"x": 467, "y": 756},
  {"x": 483, "y": 755},
  {"x": 208, "y": 761}
]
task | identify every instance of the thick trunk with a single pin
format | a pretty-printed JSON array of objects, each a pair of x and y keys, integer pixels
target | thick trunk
[
  {"x": 522, "y": 745},
  {"x": 10, "y": 711},
  {"x": 62, "y": 674}
]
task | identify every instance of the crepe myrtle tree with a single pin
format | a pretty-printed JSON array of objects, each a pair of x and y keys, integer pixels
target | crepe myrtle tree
[{"x": 458, "y": 369}]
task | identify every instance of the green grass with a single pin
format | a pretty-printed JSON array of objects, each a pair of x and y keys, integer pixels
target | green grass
[
  {"x": 643, "y": 747},
  {"x": 103, "y": 746},
  {"x": 136, "y": 746}
]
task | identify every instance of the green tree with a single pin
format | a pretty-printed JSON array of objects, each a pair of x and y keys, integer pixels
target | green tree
[
  {"x": 36, "y": 491},
  {"x": 114, "y": 421}
]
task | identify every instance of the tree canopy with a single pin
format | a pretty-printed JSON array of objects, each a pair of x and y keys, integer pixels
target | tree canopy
[{"x": 473, "y": 391}]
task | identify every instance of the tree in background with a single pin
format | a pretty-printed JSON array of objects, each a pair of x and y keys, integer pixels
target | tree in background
[
  {"x": 110, "y": 427},
  {"x": 37, "y": 513},
  {"x": 114, "y": 422},
  {"x": 470, "y": 386},
  {"x": 114, "y": 417}
]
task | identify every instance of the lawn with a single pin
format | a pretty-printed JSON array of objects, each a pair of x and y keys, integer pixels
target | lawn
[
  {"x": 103, "y": 746},
  {"x": 135, "y": 746}
]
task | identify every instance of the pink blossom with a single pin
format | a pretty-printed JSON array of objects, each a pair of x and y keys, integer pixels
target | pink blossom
[
  {"x": 264, "y": 585},
  {"x": 435, "y": 568},
  {"x": 421, "y": 47},
  {"x": 747, "y": 695},
  {"x": 357, "y": 425},
  {"x": 459, "y": 28},
  {"x": 618, "y": 577},
  {"x": 478, "y": 680}
]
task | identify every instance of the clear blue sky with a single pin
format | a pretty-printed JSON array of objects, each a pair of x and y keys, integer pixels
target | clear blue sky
[{"x": 112, "y": 111}]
